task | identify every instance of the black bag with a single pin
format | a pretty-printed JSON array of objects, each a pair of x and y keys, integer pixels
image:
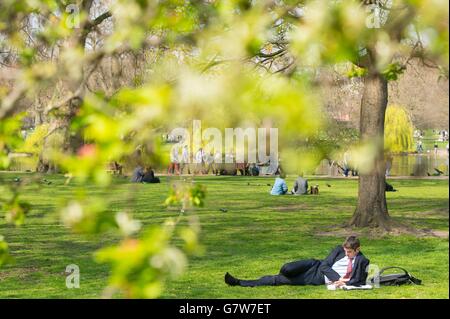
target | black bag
[{"x": 394, "y": 279}]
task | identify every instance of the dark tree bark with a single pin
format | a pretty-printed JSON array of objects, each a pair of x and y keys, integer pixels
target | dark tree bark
[
  {"x": 72, "y": 142},
  {"x": 372, "y": 208}
]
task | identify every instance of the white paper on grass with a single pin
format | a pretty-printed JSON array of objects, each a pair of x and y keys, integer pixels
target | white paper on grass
[{"x": 345, "y": 287}]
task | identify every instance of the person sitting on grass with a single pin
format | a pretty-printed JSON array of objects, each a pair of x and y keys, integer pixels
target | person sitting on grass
[
  {"x": 254, "y": 170},
  {"x": 138, "y": 174},
  {"x": 149, "y": 176},
  {"x": 345, "y": 265},
  {"x": 279, "y": 187},
  {"x": 300, "y": 186}
]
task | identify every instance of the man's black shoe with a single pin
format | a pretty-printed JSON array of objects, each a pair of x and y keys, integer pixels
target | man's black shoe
[{"x": 230, "y": 280}]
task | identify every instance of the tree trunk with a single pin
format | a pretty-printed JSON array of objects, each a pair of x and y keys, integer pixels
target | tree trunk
[
  {"x": 372, "y": 208},
  {"x": 71, "y": 142}
]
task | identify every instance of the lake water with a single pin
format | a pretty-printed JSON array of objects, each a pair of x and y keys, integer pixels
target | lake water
[{"x": 402, "y": 165}]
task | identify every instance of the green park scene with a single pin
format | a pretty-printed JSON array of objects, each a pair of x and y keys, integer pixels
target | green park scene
[{"x": 224, "y": 149}]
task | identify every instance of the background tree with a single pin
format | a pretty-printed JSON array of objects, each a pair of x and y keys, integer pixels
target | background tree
[
  {"x": 398, "y": 133},
  {"x": 372, "y": 207}
]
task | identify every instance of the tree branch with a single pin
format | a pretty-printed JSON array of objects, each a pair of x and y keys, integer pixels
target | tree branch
[
  {"x": 79, "y": 91},
  {"x": 90, "y": 24},
  {"x": 285, "y": 67},
  {"x": 8, "y": 103},
  {"x": 271, "y": 55}
]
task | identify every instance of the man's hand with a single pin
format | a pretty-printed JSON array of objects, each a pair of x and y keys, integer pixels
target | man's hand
[{"x": 341, "y": 282}]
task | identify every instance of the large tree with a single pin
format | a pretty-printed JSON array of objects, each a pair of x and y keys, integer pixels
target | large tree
[
  {"x": 380, "y": 39},
  {"x": 396, "y": 20}
]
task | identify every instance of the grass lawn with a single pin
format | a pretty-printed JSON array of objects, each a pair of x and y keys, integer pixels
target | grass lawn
[{"x": 254, "y": 237}]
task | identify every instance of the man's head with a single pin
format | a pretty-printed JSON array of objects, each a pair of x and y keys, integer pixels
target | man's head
[
  {"x": 351, "y": 246},
  {"x": 282, "y": 175}
]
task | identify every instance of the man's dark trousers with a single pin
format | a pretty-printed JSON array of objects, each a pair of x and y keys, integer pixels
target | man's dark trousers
[{"x": 301, "y": 272}]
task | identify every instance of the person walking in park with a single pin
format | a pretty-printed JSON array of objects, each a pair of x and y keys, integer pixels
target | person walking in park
[
  {"x": 345, "y": 265},
  {"x": 174, "y": 166},
  {"x": 208, "y": 159},
  {"x": 217, "y": 164},
  {"x": 300, "y": 186},
  {"x": 200, "y": 161},
  {"x": 230, "y": 165},
  {"x": 419, "y": 147},
  {"x": 185, "y": 160},
  {"x": 388, "y": 161},
  {"x": 345, "y": 163},
  {"x": 279, "y": 187}
]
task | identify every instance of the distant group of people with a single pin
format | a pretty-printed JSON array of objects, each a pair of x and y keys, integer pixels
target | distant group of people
[
  {"x": 419, "y": 136},
  {"x": 443, "y": 135},
  {"x": 203, "y": 164},
  {"x": 206, "y": 162},
  {"x": 300, "y": 186},
  {"x": 347, "y": 168}
]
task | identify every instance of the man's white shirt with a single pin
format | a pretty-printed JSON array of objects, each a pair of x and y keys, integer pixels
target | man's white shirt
[{"x": 340, "y": 267}]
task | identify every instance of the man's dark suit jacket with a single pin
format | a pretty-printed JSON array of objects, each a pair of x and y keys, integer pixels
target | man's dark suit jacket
[{"x": 359, "y": 271}]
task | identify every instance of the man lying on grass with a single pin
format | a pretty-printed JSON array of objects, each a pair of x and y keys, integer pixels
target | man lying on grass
[{"x": 345, "y": 265}]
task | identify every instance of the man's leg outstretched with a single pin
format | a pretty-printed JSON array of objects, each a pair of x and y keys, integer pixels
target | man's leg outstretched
[
  {"x": 271, "y": 280},
  {"x": 293, "y": 273}
]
